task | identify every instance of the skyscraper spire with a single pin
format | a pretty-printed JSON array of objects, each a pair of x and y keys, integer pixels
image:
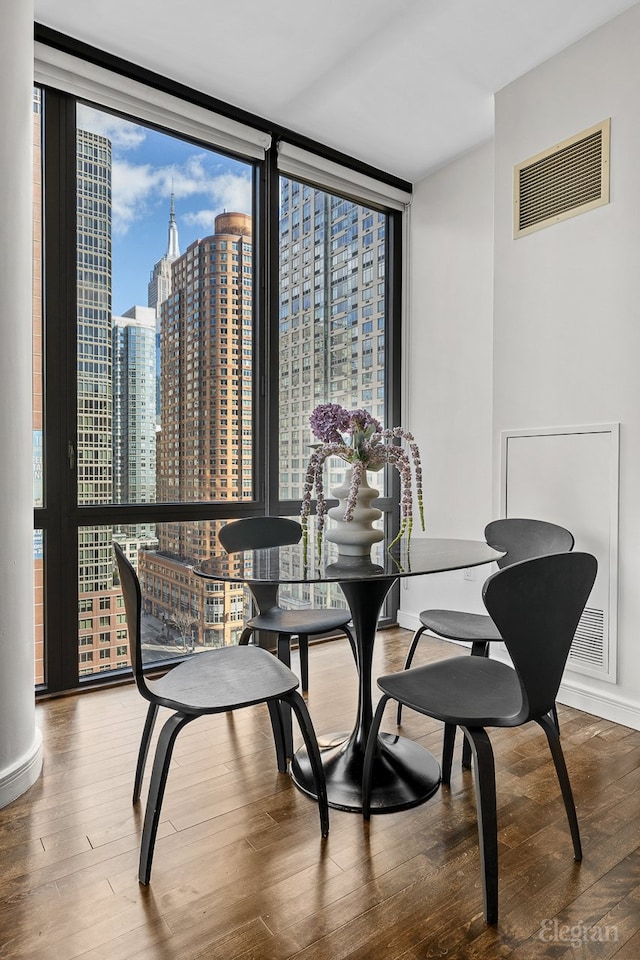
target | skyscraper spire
[{"x": 173, "y": 250}]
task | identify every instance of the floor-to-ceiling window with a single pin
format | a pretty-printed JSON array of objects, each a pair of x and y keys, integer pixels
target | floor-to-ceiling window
[{"x": 171, "y": 390}]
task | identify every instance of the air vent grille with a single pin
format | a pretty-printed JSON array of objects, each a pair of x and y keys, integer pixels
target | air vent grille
[
  {"x": 569, "y": 179},
  {"x": 588, "y": 647}
]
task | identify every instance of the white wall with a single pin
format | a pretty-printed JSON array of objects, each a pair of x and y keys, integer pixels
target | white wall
[
  {"x": 563, "y": 345},
  {"x": 567, "y": 298},
  {"x": 449, "y": 364}
]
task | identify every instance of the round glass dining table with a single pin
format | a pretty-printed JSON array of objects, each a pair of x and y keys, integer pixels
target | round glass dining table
[{"x": 405, "y": 773}]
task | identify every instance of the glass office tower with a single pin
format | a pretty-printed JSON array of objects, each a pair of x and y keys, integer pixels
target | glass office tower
[{"x": 134, "y": 411}]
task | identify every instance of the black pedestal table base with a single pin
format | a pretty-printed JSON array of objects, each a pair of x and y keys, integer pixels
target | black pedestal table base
[{"x": 404, "y": 773}]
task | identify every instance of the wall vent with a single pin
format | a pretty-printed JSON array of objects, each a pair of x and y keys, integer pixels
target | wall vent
[
  {"x": 562, "y": 182},
  {"x": 588, "y": 648}
]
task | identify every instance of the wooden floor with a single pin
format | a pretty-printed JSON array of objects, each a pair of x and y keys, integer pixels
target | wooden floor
[{"x": 240, "y": 870}]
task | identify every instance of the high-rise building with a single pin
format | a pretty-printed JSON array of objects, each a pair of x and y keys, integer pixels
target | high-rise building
[
  {"x": 160, "y": 287},
  {"x": 331, "y": 330},
  {"x": 205, "y": 449},
  {"x": 102, "y": 633},
  {"x": 134, "y": 411},
  {"x": 160, "y": 281},
  {"x": 332, "y": 317},
  {"x": 94, "y": 443}
]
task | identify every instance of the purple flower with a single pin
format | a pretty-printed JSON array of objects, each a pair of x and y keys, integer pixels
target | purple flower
[
  {"x": 363, "y": 421},
  {"x": 328, "y": 420},
  {"x": 357, "y": 437}
]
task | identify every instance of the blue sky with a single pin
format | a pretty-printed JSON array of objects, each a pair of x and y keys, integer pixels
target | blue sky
[{"x": 146, "y": 167}]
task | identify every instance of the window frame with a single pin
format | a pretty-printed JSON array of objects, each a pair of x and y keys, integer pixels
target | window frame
[{"x": 61, "y": 517}]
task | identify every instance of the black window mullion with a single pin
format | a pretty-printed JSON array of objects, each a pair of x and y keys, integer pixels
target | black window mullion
[
  {"x": 393, "y": 386},
  {"x": 272, "y": 379},
  {"x": 261, "y": 313},
  {"x": 59, "y": 272}
]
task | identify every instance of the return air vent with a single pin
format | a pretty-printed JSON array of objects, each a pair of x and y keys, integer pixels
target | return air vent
[
  {"x": 588, "y": 648},
  {"x": 562, "y": 182}
]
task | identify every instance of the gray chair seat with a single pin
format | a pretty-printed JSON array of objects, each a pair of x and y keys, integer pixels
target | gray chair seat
[
  {"x": 222, "y": 680},
  {"x": 312, "y": 620},
  {"x": 469, "y": 691},
  {"x": 456, "y": 625}
]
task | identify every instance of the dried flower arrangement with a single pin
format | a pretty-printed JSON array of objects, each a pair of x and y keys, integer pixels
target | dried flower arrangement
[{"x": 358, "y": 438}]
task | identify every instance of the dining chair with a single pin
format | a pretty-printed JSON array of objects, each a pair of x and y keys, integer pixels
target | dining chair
[
  {"x": 253, "y": 533},
  {"x": 536, "y": 604},
  {"x": 521, "y": 539},
  {"x": 216, "y": 681}
]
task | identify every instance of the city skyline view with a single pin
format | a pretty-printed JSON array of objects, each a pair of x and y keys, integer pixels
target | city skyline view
[
  {"x": 147, "y": 167},
  {"x": 165, "y": 366}
]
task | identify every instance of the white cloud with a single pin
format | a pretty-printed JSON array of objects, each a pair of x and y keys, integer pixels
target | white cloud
[
  {"x": 202, "y": 219},
  {"x": 134, "y": 187},
  {"x": 123, "y": 134},
  {"x": 230, "y": 191},
  {"x": 137, "y": 187}
]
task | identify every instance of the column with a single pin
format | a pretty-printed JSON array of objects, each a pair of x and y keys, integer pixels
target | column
[{"x": 20, "y": 740}]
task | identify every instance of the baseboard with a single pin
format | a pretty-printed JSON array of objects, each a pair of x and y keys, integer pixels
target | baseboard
[
  {"x": 16, "y": 779},
  {"x": 408, "y": 620},
  {"x": 624, "y": 712}
]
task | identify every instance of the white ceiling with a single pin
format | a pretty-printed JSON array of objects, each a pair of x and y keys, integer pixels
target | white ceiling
[{"x": 404, "y": 85}]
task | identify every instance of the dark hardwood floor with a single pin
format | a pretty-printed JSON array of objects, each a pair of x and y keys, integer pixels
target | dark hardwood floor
[{"x": 240, "y": 870}]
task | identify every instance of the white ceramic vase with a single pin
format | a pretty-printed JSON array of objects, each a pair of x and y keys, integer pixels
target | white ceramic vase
[{"x": 355, "y": 537}]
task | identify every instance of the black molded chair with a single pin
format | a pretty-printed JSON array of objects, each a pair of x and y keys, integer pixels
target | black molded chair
[
  {"x": 521, "y": 539},
  {"x": 254, "y": 533},
  {"x": 213, "y": 682},
  {"x": 536, "y": 604}
]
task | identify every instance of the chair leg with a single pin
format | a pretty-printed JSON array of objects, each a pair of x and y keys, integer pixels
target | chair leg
[
  {"x": 485, "y": 777},
  {"x": 284, "y": 649},
  {"x": 303, "y": 648},
  {"x": 149, "y": 723},
  {"x": 563, "y": 778},
  {"x": 306, "y": 728},
  {"x": 479, "y": 648},
  {"x": 164, "y": 749},
  {"x": 556, "y": 722},
  {"x": 369, "y": 757},
  {"x": 466, "y": 754},
  {"x": 284, "y": 655},
  {"x": 408, "y": 662},
  {"x": 275, "y": 714},
  {"x": 352, "y": 643},
  {"x": 447, "y": 751}
]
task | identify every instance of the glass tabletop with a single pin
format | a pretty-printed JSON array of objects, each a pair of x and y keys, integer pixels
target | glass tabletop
[{"x": 288, "y": 564}]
